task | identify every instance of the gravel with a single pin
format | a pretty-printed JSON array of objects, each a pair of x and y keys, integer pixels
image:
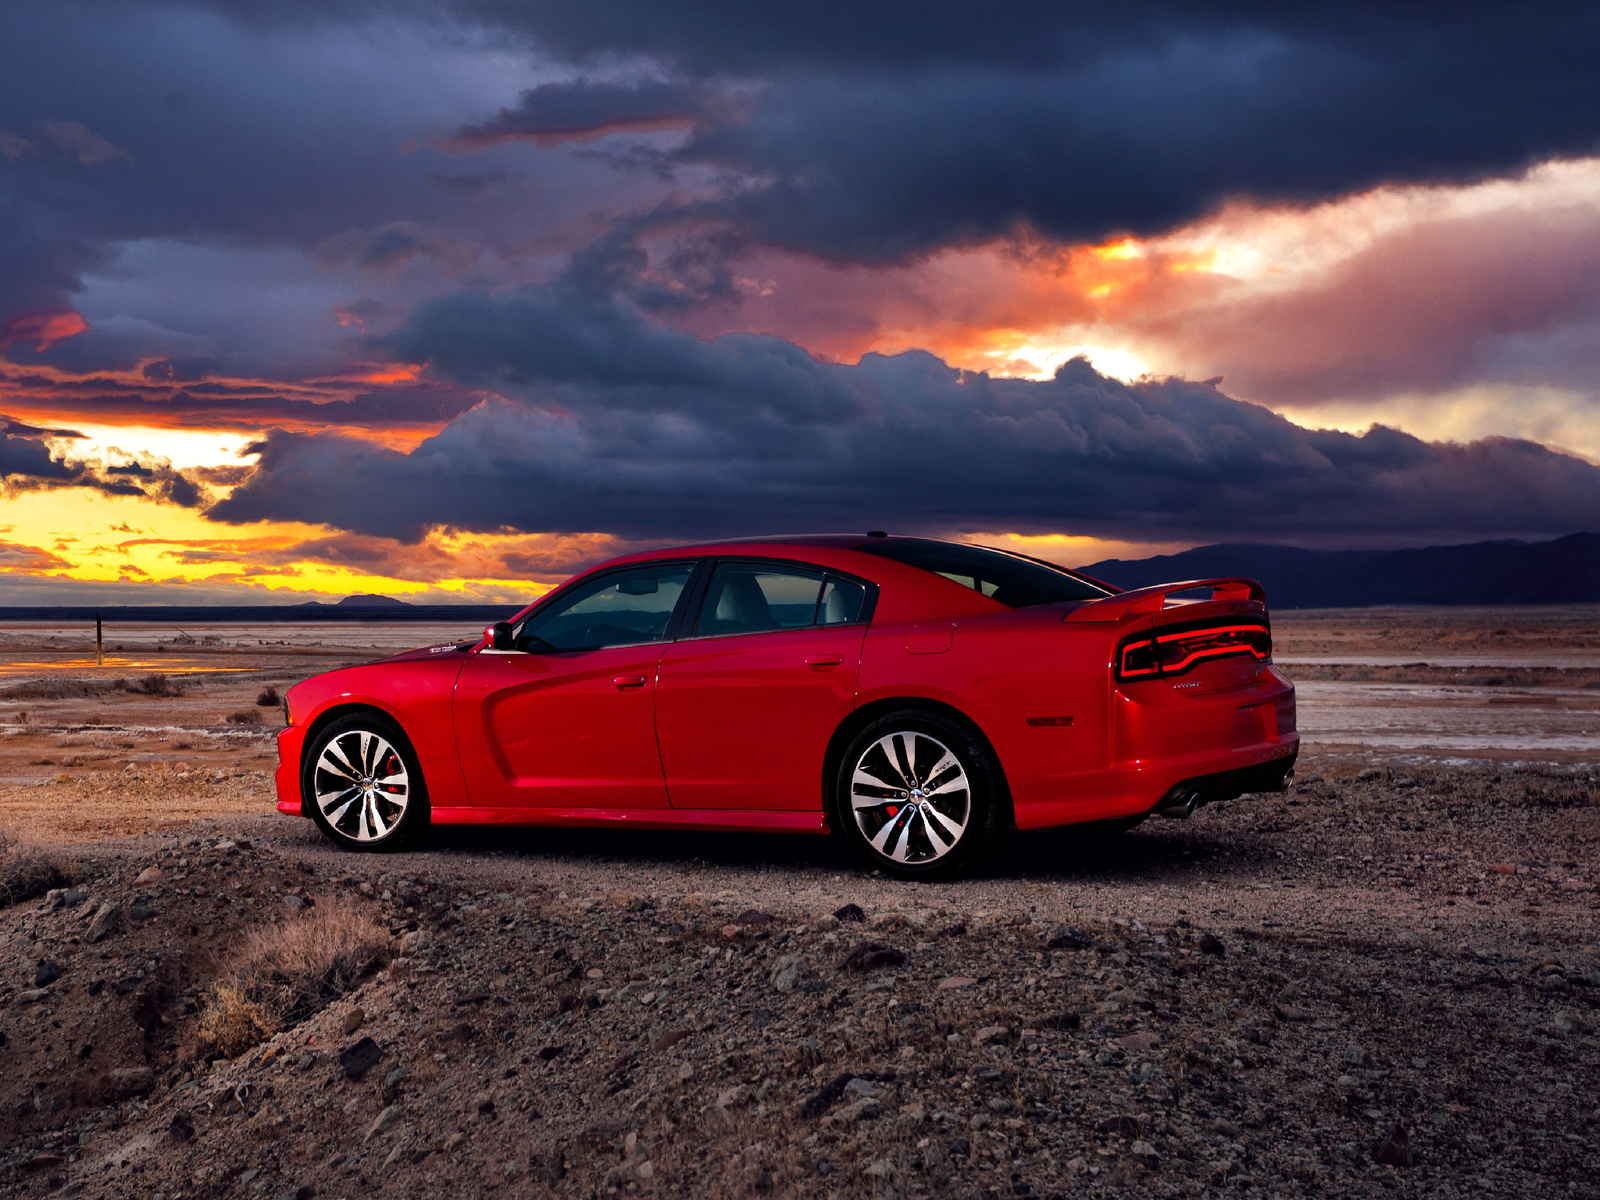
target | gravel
[{"x": 1371, "y": 986}]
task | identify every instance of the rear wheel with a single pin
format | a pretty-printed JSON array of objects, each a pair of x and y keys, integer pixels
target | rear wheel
[
  {"x": 919, "y": 796},
  {"x": 362, "y": 785}
]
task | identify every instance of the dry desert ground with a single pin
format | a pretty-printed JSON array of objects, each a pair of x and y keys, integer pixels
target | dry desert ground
[{"x": 1385, "y": 982}]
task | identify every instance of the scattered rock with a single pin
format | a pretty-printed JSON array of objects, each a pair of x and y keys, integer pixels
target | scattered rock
[
  {"x": 483, "y": 1104},
  {"x": 868, "y": 956},
  {"x": 823, "y": 1100},
  {"x": 737, "y": 1096},
  {"x": 1069, "y": 938},
  {"x": 181, "y": 1128},
  {"x": 148, "y": 877},
  {"x": 754, "y": 916},
  {"x": 1141, "y": 1043},
  {"x": 33, "y": 995},
  {"x": 1210, "y": 943},
  {"x": 992, "y": 1034},
  {"x": 1395, "y": 1150},
  {"x": 360, "y": 1058},
  {"x": 787, "y": 973},
  {"x": 129, "y": 1081},
  {"x": 850, "y": 912},
  {"x": 140, "y": 912},
  {"x": 1145, "y": 1153},
  {"x": 866, "y": 1109},
  {"x": 1122, "y": 1125},
  {"x": 353, "y": 1020},
  {"x": 1289, "y": 1012},
  {"x": 955, "y": 983},
  {"x": 418, "y": 941},
  {"x": 47, "y": 973},
  {"x": 382, "y": 1122},
  {"x": 107, "y": 920}
]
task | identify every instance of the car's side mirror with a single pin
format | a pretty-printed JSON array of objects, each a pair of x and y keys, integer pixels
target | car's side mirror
[{"x": 500, "y": 636}]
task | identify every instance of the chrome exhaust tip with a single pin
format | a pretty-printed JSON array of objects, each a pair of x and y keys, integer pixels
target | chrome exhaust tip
[
  {"x": 1288, "y": 780},
  {"x": 1181, "y": 807}
]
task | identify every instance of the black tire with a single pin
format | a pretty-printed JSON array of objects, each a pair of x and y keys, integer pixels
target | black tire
[
  {"x": 368, "y": 815},
  {"x": 896, "y": 826}
]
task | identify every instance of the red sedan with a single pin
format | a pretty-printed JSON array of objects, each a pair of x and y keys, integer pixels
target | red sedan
[{"x": 919, "y": 698}]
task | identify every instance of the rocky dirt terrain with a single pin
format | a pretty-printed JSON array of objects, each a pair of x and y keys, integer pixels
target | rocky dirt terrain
[{"x": 1386, "y": 982}]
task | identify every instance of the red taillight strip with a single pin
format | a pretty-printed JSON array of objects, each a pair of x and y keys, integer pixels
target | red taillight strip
[
  {"x": 1212, "y": 632},
  {"x": 1157, "y": 669}
]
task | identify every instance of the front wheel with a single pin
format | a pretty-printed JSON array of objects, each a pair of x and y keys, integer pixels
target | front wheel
[
  {"x": 919, "y": 796},
  {"x": 363, "y": 786}
]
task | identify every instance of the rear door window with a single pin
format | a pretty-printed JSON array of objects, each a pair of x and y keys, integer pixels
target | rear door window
[{"x": 760, "y": 597}]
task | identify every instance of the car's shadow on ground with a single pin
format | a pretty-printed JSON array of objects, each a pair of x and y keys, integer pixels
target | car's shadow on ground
[{"x": 1151, "y": 853}]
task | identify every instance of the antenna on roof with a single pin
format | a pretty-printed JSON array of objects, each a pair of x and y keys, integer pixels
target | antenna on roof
[{"x": 876, "y": 533}]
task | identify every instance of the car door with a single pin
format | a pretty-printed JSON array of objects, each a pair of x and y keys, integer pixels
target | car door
[
  {"x": 747, "y": 700},
  {"x": 567, "y": 718}
]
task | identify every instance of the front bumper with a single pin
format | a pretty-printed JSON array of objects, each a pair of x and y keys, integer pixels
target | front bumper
[{"x": 286, "y": 779}]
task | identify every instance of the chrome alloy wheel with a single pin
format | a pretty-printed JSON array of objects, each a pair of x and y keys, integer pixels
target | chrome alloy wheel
[
  {"x": 361, "y": 785},
  {"x": 911, "y": 797}
]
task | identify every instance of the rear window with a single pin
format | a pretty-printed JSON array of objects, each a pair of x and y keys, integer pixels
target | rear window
[{"x": 1009, "y": 578}]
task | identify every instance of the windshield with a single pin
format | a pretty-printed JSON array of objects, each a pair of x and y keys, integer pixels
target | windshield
[{"x": 1011, "y": 579}]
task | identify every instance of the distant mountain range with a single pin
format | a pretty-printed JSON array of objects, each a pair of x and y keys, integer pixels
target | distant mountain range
[{"x": 1564, "y": 571}]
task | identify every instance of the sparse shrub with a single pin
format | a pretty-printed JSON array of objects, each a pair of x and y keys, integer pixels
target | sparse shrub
[
  {"x": 299, "y": 966},
  {"x": 27, "y": 870},
  {"x": 285, "y": 973},
  {"x": 232, "y": 1022},
  {"x": 245, "y": 716},
  {"x": 269, "y": 698},
  {"x": 155, "y": 684}
]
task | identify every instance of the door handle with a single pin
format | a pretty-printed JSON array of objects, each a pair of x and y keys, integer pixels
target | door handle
[
  {"x": 823, "y": 662},
  {"x": 627, "y": 683}
]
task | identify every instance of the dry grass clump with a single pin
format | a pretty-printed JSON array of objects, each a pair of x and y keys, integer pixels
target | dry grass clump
[
  {"x": 27, "y": 870},
  {"x": 155, "y": 684},
  {"x": 269, "y": 698},
  {"x": 285, "y": 973},
  {"x": 246, "y": 716},
  {"x": 232, "y": 1022}
]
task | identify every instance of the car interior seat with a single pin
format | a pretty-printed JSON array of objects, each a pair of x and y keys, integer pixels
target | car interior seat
[{"x": 740, "y": 606}]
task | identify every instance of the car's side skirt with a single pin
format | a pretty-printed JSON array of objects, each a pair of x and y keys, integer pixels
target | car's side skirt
[{"x": 716, "y": 820}]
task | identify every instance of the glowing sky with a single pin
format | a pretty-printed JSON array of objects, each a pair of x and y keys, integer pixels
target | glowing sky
[{"x": 446, "y": 300}]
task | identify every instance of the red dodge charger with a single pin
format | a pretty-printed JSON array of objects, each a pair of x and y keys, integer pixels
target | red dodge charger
[{"x": 918, "y": 698}]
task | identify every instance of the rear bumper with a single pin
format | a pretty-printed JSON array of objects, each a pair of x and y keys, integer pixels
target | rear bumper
[
  {"x": 1186, "y": 795},
  {"x": 286, "y": 779},
  {"x": 1221, "y": 743}
]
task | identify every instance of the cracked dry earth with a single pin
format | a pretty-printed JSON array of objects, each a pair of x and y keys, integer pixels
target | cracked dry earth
[{"x": 1383, "y": 983}]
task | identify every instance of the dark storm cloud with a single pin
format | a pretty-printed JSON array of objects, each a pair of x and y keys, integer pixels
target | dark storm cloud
[
  {"x": 653, "y": 434},
  {"x": 876, "y": 133},
  {"x": 559, "y": 112}
]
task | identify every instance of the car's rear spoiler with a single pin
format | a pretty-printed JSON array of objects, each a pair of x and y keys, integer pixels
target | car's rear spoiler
[{"x": 1153, "y": 599}]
